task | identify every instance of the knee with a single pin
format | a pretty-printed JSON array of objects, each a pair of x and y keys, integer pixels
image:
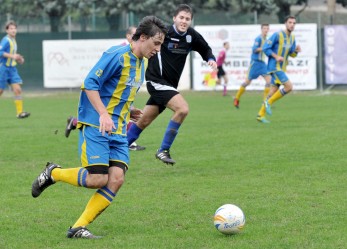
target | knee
[
  {"x": 116, "y": 182},
  {"x": 143, "y": 123},
  {"x": 246, "y": 83},
  {"x": 17, "y": 91},
  {"x": 183, "y": 111},
  {"x": 288, "y": 88},
  {"x": 96, "y": 180}
]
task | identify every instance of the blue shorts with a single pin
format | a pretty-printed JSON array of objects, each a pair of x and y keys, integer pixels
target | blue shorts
[
  {"x": 100, "y": 151},
  {"x": 256, "y": 69},
  {"x": 278, "y": 78},
  {"x": 9, "y": 75}
]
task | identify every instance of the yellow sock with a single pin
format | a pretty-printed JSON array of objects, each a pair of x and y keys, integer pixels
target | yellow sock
[
  {"x": 19, "y": 105},
  {"x": 73, "y": 176},
  {"x": 96, "y": 205},
  {"x": 240, "y": 92},
  {"x": 266, "y": 92},
  {"x": 261, "y": 112},
  {"x": 277, "y": 95}
]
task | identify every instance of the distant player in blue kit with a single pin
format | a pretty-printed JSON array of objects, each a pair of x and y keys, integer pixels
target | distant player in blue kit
[
  {"x": 278, "y": 48},
  {"x": 107, "y": 94},
  {"x": 8, "y": 71},
  {"x": 163, "y": 74},
  {"x": 257, "y": 67}
]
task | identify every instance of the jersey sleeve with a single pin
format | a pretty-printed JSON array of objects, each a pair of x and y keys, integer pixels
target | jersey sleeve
[
  {"x": 202, "y": 47},
  {"x": 108, "y": 65},
  {"x": 256, "y": 45},
  {"x": 3, "y": 46},
  {"x": 269, "y": 44},
  {"x": 292, "y": 52}
]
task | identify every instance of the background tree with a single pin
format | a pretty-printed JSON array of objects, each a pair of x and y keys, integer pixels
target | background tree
[
  {"x": 81, "y": 9},
  {"x": 55, "y": 9},
  {"x": 162, "y": 9},
  {"x": 281, "y": 7},
  {"x": 17, "y": 9},
  {"x": 115, "y": 9}
]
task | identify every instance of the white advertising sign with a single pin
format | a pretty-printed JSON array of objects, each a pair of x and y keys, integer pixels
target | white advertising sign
[
  {"x": 66, "y": 63},
  {"x": 301, "y": 71},
  {"x": 241, "y": 38}
]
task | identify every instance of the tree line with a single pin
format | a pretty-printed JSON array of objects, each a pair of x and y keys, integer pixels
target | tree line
[{"x": 56, "y": 10}]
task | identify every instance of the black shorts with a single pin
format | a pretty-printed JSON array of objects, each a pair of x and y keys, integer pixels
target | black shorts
[
  {"x": 160, "y": 95},
  {"x": 220, "y": 72}
]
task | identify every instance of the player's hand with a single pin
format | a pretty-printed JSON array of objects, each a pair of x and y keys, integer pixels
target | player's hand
[
  {"x": 135, "y": 114},
  {"x": 212, "y": 64},
  {"x": 106, "y": 124},
  {"x": 298, "y": 49},
  {"x": 18, "y": 58},
  {"x": 279, "y": 58}
]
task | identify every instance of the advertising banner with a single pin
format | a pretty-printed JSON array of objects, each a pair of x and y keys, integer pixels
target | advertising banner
[
  {"x": 301, "y": 70},
  {"x": 66, "y": 63},
  {"x": 335, "y": 40}
]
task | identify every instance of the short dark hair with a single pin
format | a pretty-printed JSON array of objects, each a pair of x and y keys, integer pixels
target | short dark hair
[
  {"x": 150, "y": 26},
  {"x": 9, "y": 23},
  {"x": 129, "y": 30},
  {"x": 183, "y": 7},
  {"x": 289, "y": 17},
  {"x": 264, "y": 25}
]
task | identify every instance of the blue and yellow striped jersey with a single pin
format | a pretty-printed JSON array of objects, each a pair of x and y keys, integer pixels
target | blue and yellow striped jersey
[
  {"x": 8, "y": 45},
  {"x": 118, "y": 76},
  {"x": 258, "y": 43},
  {"x": 283, "y": 45}
]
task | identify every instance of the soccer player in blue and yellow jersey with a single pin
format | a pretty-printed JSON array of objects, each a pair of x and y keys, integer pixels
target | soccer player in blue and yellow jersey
[
  {"x": 8, "y": 71},
  {"x": 278, "y": 48},
  {"x": 134, "y": 114},
  {"x": 257, "y": 67},
  {"x": 103, "y": 113},
  {"x": 163, "y": 74}
]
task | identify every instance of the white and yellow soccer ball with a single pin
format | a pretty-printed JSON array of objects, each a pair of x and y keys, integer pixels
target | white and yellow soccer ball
[{"x": 229, "y": 219}]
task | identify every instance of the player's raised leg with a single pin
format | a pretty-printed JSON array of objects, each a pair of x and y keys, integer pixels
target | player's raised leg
[
  {"x": 287, "y": 88},
  {"x": 44, "y": 180}
]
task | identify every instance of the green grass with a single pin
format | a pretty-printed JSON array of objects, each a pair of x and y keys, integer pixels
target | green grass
[{"x": 289, "y": 177}]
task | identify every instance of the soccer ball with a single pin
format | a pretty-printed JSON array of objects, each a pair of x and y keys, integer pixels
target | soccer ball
[{"x": 229, "y": 219}]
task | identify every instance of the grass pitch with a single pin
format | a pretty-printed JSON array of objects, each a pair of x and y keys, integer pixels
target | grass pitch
[{"x": 289, "y": 177}]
